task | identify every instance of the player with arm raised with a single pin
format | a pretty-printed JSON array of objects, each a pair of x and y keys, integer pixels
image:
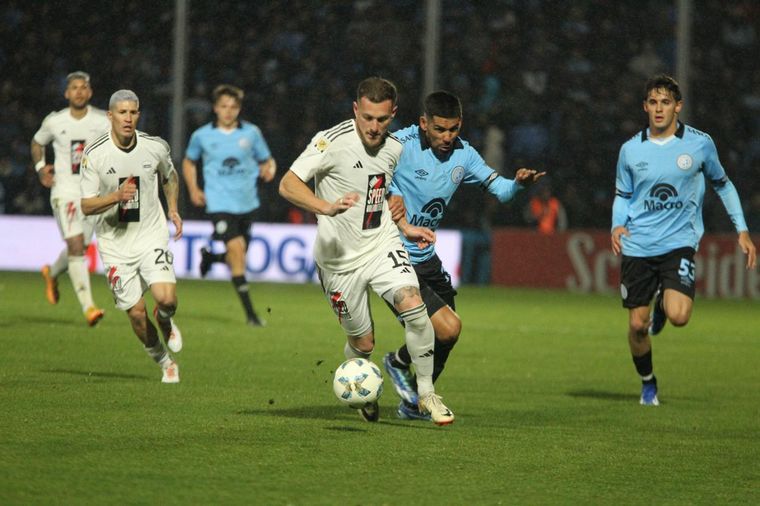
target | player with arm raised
[
  {"x": 121, "y": 172},
  {"x": 434, "y": 163},
  {"x": 657, "y": 221},
  {"x": 357, "y": 246},
  {"x": 69, "y": 130}
]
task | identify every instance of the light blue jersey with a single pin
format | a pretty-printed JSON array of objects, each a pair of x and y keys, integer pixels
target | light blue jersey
[
  {"x": 660, "y": 189},
  {"x": 427, "y": 183},
  {"x": 230, "y": 166}
]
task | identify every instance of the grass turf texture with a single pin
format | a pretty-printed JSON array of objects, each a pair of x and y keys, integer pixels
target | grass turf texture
[{"x": 542, "y": 384}]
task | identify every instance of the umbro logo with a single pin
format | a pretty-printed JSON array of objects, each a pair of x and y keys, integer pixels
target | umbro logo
[
  {"x": 111, "y": 171},
  {"x": 642, "y": 165},
  {"x": 421, "y": 172},
  {"x": 358, "y": 165}
]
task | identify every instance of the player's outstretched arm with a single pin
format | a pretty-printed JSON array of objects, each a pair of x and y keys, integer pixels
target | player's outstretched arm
[
  {"x": 527, "y": 177},
  {"x": 748, "y": 247},
  {"x": 297, "y": 192}
]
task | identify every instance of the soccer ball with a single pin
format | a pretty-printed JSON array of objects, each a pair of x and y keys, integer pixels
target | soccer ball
[{"x": 358, "y": 382}]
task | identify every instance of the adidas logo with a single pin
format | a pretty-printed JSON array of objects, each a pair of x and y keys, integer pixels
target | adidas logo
[
  {"x": 165, "y": 268},
  {"x": 358, "y": 165},
  {"x": 406, "y": 269},
  {"x": 428, "y": 353},
  {"x": 111, "y": 171}
]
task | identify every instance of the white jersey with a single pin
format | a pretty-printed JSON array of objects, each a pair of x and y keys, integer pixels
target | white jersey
[
  {"x": 339, "y": 163},
  {"x": 69, "y": 137},
  {"x": 127, "y": 230}
]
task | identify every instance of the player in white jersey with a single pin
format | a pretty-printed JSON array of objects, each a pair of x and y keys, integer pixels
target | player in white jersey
[
  {"x": 121, "y": 171},
  {"x": 357, "y": 246},
  {"x": 69, "y": 130}
]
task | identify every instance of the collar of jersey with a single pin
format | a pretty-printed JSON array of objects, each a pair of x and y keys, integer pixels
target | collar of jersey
[{"x": 679, "y": 132}]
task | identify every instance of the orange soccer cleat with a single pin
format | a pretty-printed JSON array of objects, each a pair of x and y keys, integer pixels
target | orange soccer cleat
[
  {"x": 93, "y": 315},
  {"x": 51, "y": 285}
]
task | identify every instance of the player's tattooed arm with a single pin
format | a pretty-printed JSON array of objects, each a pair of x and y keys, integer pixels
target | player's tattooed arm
[{"x": 171, "y": 191}]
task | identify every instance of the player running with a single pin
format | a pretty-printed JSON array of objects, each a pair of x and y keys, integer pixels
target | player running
[
  {"x": 434, "y": 163},
  {"x": 357, "y": 246},
  {"x": 657, "y": 221},
  {"x": 69, "y": 130},
  {"x": 121, "y": 171}
]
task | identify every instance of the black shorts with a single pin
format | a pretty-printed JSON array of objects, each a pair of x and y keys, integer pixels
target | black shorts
[
  {"x": 435, "y": 286},
  {"x": 227, "y": 226},
  {"x": 640, "y": 276}
]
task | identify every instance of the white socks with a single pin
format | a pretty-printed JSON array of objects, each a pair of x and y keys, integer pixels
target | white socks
[
  {"x": 80, "y": 280},
  {"x": 351, "y": 352},
  {"x": 158, "y": 353},
  {"x": 61, "y": 263},
  {"x": 420, "y": 339}
]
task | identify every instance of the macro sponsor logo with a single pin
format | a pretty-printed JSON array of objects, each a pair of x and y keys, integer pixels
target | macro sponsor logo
[
  {"x": 432, "y": 214},
  {"x": 663, "y": 198}
]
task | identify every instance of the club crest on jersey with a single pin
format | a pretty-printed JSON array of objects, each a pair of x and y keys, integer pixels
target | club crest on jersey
[
  {"x": 244, "y": 144},
  {"x": 457, "y": 174},
  {"x": 321, "y": 144},
  {"x": 685, "y": 162},
  {"x": 147, "y": 166}
]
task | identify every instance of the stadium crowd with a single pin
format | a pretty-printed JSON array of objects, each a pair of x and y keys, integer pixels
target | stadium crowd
[{"x": 548, "y": 85}]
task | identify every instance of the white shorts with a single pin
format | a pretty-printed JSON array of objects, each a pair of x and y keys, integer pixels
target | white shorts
[
  {"x": 71, "y": 221},
  {"x": 348, "y": 292},
  {"x": 128, "y": 282}
]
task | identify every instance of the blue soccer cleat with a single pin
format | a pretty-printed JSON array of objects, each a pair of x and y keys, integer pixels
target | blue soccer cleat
[
  {"x": 402, "y": 378},
  {"x": 649, "y": 393},
  {"x": 658, "y": 317},
  {"x": 408, "y": 412}
]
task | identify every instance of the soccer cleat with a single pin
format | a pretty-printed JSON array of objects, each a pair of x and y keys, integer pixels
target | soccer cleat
[
  {"x": 439, "y": 413},
  {"x": 51, "y": 285},
  {"x": 170, "y": 372},
  {"x": 93, "y": 315},
  {"x": 658, "y": 317},
  {"x": 403, "y": 380},
  {"x": 173, "y": 338},
  {"x": 408, "y": 412},
  {"x": 370, "y": 412},
  {"x": 206, "y": 261},
  {"x": 649, "y": 393}
]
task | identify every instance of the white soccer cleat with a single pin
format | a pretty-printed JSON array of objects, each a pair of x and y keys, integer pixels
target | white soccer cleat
[
  {"x": 171, "y": 372},
  {"x": 174, "y": 339},
  {"x": 439, "y": 413}
]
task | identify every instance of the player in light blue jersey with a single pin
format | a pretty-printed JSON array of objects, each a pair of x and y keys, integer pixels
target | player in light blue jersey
[
  {"x": 235, "y": 156},
  {"x": 657, "y": 220},
  {"x": 435, "y": 161}
]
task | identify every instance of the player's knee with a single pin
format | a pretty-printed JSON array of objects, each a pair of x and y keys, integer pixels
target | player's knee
[
  {"x": 448, "y": 330},
  {"x": 639, "y": 328},
  {"x": 679, "y": 319},
  {"x": 166, "y": 311}
]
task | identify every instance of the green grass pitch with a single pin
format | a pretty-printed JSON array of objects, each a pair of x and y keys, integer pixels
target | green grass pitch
[{"x": 542, "y": 384}]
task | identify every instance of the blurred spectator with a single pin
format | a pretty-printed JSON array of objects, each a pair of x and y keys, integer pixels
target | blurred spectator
[{"x": 546, "y": 211}]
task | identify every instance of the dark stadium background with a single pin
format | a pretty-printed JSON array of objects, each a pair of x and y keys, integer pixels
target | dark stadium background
[{"x": 559, "y": 82}]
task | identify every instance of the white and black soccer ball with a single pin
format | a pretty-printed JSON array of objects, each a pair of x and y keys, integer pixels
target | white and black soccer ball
[{"x": 357, "y": 382}]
